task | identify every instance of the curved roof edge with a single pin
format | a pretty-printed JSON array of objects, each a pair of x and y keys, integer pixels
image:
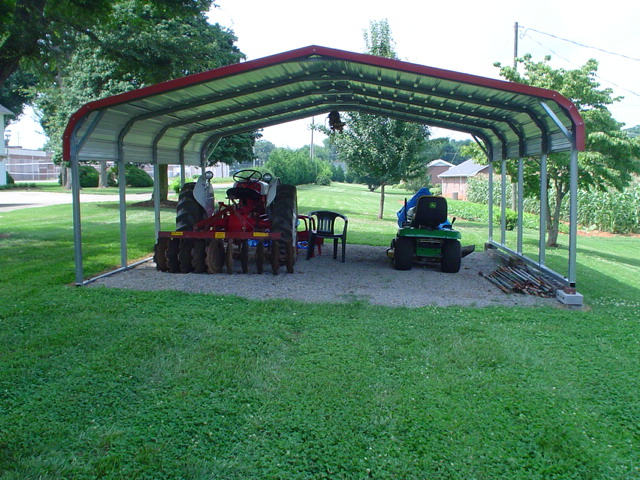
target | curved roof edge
[{"x": 306, "y": 53}]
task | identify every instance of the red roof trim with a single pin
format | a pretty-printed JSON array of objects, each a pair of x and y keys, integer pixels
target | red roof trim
[{"x": 310, "y": 51}]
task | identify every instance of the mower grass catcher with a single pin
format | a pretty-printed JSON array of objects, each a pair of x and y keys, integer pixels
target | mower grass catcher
[{"x": 258, "y": 224}]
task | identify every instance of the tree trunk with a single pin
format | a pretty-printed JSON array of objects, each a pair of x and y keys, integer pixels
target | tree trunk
[
  {"x": 104, "y": 175},
  {"x": 163, "y": 178},
  {"x": 67, "y": 183},
  {"x": 553, "y": 219},
  {"x": 381, "y": 201}
]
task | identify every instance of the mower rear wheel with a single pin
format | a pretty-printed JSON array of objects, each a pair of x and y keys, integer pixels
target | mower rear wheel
[
  {"x": 260, "y": 257},
  {"x": 185, "y": 256},
  {"x": 229, "y": 256},
  {"x": 403, "y": 253},
  {"x": 275, "y": 256},
  {"x": 173, "y": 251},
  {"x": 244, "y": 256},
  {"x": 198, "y": 256},
  {"x": 160, "y": 254},
  {"x": 451, "y": 256},
  {"x": 215, "y": 256}
]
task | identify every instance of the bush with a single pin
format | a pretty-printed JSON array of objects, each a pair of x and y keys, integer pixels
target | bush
[
  {"x": 89, "y": 176},
  {"x": 511, "y": 219},
  {"x": 134, "y": 175},
  {"x": 323, "y": 179},
  {"x": 10, "y": 180},
  {"x": 175, "y": 184},
  {"x": 295, "y": 167},
  {"x": 337, "y": 173}
]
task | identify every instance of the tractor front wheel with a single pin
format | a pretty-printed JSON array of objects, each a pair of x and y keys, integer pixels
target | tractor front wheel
[
  {"x": 260, "y": 257},
  {"x": 275, "y": 256},
  {"x": 403, "y": 253}
]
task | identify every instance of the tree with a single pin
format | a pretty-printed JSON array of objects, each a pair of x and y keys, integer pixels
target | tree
[
  {"x": 37, "y": 31},
  {"x": 611, "y": 157},
  {"x": 382, "y": 150},
  {"x": 235, "y": 149},
  {"x": 262, "y": 150},
  {"x": 136, "y": 45}
]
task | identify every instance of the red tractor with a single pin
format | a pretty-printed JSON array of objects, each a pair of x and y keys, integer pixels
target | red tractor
[{"x": 258, "y": 222}]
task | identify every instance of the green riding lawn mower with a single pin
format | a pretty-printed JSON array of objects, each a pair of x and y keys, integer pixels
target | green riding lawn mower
[{"x": 426, "y": 236}]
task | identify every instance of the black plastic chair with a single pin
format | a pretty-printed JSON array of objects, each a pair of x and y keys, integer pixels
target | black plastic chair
[{"x": 325, "y": 223}]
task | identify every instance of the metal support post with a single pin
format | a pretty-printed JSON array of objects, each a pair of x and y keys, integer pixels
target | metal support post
[
  {"x": 503, "y": 202},
  {"x": 77, "y": 226},
  {"x": 520, "y": 204},
  {"x": 544, "y": 205},
  {"x": 490, "y": 200}
]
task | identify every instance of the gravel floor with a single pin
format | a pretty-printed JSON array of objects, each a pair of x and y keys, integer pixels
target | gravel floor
[{"x": 366, "y": 276}]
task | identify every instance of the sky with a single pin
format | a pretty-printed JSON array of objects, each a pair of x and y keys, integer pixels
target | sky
[{"x": 464, "y": 36}]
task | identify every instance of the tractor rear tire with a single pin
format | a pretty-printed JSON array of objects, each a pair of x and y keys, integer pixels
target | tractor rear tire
[
  {"x": 173, "y": 252},
  {"x": 189, "y": 211},
  {"x": 284, "y": 219},
  {"x": 215, "y": 256},
  {"x": 160, "y": 254},
  {"x": 403, "y": 253},
  {"x": 275, "y": 256},
  {"x": 451, "y": 256},
  {"x": 198, "y": 256}
]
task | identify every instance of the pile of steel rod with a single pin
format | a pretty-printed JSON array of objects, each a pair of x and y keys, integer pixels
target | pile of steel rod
[{"x": 519, "y": 279}]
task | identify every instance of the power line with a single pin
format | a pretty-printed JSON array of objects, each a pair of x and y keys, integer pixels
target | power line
[
  {"x": 524, "y": 34},
  {"x": 582, "y": 44}
]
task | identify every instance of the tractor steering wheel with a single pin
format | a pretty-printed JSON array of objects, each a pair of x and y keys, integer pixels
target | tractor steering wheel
[{"x": 247, "y": 176}]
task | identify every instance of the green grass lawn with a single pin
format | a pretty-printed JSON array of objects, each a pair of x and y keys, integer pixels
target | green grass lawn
[{"x": 107, "y": 383}]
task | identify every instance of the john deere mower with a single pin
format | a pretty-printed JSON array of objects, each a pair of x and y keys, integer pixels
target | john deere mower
[
  {"x": 258, "y": 222},
  {"x": 425, "y": 235}
]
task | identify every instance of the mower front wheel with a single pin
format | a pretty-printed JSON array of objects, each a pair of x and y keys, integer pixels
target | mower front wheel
[{"x": 403, "y": 253}]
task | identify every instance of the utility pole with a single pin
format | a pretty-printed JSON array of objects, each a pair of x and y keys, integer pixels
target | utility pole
[{"x": 515, "y": 46}]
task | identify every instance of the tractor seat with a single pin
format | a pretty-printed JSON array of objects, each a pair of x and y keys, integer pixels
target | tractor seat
[
  {"x": 241, "y": 193},
  {"x": 430, "y": 211}
]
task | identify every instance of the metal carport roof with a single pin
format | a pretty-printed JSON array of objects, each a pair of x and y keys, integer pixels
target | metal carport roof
[{"x": 181, "y": 121}]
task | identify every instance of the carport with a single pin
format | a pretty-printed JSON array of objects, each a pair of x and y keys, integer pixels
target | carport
[{"x": 181, "y": 122}]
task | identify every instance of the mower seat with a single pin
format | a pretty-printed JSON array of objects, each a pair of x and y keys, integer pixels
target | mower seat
[{"x": 430, "y": 212}]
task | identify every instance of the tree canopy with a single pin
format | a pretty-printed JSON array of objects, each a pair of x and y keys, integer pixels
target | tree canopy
[
  {"x": 611, "y": 157},
  {"x": 381, "y": 150}
]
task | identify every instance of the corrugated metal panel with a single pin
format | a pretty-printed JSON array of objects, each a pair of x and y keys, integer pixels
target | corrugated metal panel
[{"x": 164, "y": 120}]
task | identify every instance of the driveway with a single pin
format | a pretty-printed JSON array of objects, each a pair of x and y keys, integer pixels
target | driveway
[{"x": 18, "y": 199}]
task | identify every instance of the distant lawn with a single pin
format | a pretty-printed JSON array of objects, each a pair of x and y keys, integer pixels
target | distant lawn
[{"x": 107, "y": 383}]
